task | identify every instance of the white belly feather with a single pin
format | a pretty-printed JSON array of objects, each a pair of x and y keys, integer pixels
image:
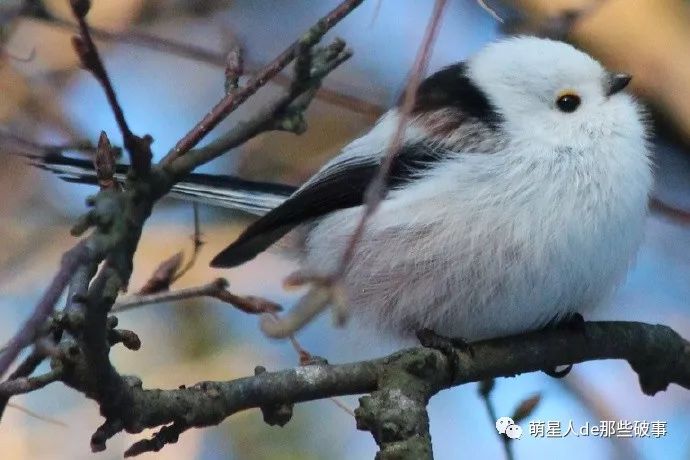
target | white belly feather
[{"x": 492, "y": 245}]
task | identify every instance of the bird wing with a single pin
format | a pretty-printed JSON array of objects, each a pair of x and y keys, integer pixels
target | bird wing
[{"x": 340, "y": 185}]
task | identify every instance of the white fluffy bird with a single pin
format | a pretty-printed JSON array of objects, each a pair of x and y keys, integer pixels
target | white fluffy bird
[{"x": 518, "y": 198}]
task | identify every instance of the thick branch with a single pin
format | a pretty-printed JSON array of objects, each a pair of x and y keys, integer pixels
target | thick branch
[{"x": 658, "y": 354}]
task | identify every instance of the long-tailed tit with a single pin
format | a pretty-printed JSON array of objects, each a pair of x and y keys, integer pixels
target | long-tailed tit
[{"x": 518, "y": 197}]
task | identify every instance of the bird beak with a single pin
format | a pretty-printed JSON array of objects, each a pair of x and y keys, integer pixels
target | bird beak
[{"x": 617, "y": 82}]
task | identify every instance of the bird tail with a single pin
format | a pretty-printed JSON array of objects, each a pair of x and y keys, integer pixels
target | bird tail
[{"x": 216, "y": 190}]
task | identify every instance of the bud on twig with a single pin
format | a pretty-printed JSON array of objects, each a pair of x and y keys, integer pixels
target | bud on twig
[
  {"x": 163, "y": 276},
  {"x": 234, "y": 68},
  {"x": 104, "y": 162},
  {"x": 526, "y": 407}
]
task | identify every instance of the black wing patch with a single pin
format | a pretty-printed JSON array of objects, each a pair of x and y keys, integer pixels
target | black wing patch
[
  {"x": 451, "y": 87},
  {"x": 343, "y": 188}
]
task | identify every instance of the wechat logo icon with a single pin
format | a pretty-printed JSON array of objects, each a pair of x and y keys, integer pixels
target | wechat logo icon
[{"x": 506, "y": 426}]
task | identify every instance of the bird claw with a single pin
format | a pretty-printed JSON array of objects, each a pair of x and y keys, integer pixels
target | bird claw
[
  {"x": 430, "y": 339},
  {"x": 556, "y": 373},
  {"x": 573, "y": 322}
]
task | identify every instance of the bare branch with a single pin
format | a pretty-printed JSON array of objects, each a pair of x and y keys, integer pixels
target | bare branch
[
  {"x": 216, "y": 289},
  {"x": 28, "y": 148},
  {"x": 37, "y": 416},
  {"x": 188, "y": 51},
  {"x": 198, "y": 243},
  {"x": 282, "y": 113},
  {"x": 377, "y": 189},
  {"x": 656, "y": 353},
  {"x": 27, "y": 334},
  {"x": 597, "y": 405},
  {"x": 482, "y": 4},
  {"x": 28, "y": 384},
  {"x": 84, "y": 329},
  {"x": 679, "y": 216},
  {"x": 485, "y": 389},
  {"x": 26, "y": 368},
  {"x": 139, "y": 148},
  {"x": 233, "y": 100}
]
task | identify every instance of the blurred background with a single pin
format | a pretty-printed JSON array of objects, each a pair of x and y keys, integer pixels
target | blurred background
[{"x": 46, "y": 98}]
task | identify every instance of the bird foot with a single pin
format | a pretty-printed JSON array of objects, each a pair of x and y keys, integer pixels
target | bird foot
[
  {"x": 447, "y": 346},
  {"x": 573, "y": 322},
  {"x": 558, "y": 374}
]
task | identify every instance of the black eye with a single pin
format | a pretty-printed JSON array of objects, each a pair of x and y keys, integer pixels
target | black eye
[{"x": 568, "y": 102}]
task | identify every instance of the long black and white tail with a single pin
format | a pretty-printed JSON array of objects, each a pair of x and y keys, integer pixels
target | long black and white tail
[{"x": 225, "y": 191}]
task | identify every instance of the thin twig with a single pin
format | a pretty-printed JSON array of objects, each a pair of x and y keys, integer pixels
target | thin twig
[
  {"x": 36, "y": 415},
  {"x": 485, "y": 389},
  {"x": 188, "y": 51},
  {"x": 29, "y": 384},
  {"x": 198, "y": 243},
  {"x": 482, "y": 4},
  {"x": 138, "y": 148},
  {"x": 338, "y": 402},
  {"x": 216, "y": 289},
  {"x": 302, "y": 353},
  {"x": 677, "y": 215},
  {"x": 234, "y": 99},
  {"x": 27, "y": 334},
  {"x": 169, "y": 270},
  {"x": 26, "y": 368},
  {"x": 377, "y": 188},
  {"x": 274, "y": 115},
  {"x": 601, "y": 409},
  {"x": 29, "y": 148},
  {"x": 327, "y": 289}
]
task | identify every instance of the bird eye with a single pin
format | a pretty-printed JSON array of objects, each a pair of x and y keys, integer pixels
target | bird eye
[{"x": 568, "y": 102}]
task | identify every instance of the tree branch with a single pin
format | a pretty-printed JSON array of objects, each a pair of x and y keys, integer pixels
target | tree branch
[
  {"x": 270, "y": 117},
  {"x": 658, "y": 354},
  {"x": 28, "y": 384}
]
